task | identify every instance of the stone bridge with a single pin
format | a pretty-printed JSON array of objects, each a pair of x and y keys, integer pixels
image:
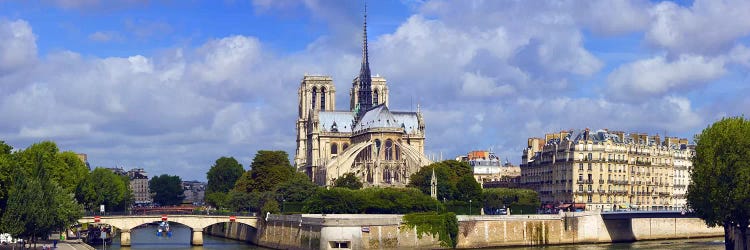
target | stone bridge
[{"x": 196, "y": 222}]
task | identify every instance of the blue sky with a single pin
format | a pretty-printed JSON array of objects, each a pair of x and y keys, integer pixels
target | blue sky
[{"x": 170, "y": 86}]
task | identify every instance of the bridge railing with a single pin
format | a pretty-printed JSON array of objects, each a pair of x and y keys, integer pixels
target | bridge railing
[{"x": 167, "y": 211}]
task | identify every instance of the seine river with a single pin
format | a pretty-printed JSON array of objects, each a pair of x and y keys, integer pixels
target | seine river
[
  {"x": 702, "y": 243},
  {"x": 145, "y": 238}
]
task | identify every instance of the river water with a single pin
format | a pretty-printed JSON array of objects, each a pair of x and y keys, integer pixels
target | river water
[
  {"x": 701, "y": 243},
  {"x": 145, "y": 238}
]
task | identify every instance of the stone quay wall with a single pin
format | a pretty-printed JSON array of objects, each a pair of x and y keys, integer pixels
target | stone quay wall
[{"x": 359, "y": 231}]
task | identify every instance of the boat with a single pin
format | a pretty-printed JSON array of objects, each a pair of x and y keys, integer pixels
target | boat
[
  {"x": 164, "y": 229},
  {"x": 98, "y": 235}
]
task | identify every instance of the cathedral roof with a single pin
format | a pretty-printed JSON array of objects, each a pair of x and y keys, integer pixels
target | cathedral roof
[
  {"x": 341, "y": 119},
  {"x": 381, "y": 117},
  {"x": 410, "y": 120}
]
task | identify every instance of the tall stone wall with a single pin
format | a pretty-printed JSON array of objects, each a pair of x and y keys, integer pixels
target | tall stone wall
[{"x": 385, "y": 231}]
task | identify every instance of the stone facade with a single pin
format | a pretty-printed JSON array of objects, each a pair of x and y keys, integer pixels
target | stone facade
[
  {"x": 380, "y": 146},
  {"x": 489, "y": 168},
  {"x": 139, "y": 186},
  {"x": 607, "y": 170},
  {"x": 381, "y": 231}
]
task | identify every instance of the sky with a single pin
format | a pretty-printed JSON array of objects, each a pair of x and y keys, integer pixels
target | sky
[{"x": 171, "y": 86}]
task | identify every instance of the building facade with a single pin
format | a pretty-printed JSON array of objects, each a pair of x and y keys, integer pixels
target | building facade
[
  {"x": 139, "y": 185},
  {"x": 607, "y": 170},
  {"x": 380, "y": 146},
  {"x": 489, "y": 168},
  {"x": 194, "y": 191}
]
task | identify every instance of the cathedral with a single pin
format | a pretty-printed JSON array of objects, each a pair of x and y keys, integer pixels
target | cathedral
[{"x": 381, "y": 147}]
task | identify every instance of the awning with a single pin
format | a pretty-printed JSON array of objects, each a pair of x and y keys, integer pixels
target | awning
[
  {"x": 564, "y": 206},
  {"x": 548, "y": 206},
  {"x": 579, "y": 205},
  {"x": 623, "y": 206}
]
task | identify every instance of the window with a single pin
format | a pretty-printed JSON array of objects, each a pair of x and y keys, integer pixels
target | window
[
  {"x": 334, "y": 148},
  {"x": 589, "y": 166},
  {"x": 377, "y": 147},
  {"x": 398, "y": 152},
  {"x": 580, "y": 166},
  {"x": 580, "y": 188},
  {"x": 389, "y": 150},
  {"x": 322, "y": 98},
  {"x": 346, "y": 145},
  {"x": 589, "y": 198},
  {"x": 375, "y": 97},
  {"x": 314, "y": 96},
  {"x": 580, "y": 177}
]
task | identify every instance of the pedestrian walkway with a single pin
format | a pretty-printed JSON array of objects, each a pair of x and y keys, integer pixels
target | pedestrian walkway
[
  {"x": 73, "y": 245},
  {"x": 66, "y": 245}
]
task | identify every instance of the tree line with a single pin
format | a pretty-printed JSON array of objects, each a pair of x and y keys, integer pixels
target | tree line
[
  {"x": 272, "y": 185},
  {"x": 43, "y": 189}
]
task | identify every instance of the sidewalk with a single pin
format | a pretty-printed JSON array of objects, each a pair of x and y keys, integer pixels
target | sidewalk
[{"x": 73, "y": 245}]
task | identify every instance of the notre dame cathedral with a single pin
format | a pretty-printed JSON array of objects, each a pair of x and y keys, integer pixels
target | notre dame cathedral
[{"x": 380, "y": 146}]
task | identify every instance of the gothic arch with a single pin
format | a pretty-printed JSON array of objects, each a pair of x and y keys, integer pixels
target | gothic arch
[
  {"x": 388, "y": 150},
  {"x": 334, "y": 148},
  {"x": 314, "y": 96},
  {"x": 323, "y": 98},
  {"x": 375, "y": 99}
]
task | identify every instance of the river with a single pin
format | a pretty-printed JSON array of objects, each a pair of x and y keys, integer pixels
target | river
[
  {"x": 145, "y": 238},
  {"x": 701, "y": 243}
]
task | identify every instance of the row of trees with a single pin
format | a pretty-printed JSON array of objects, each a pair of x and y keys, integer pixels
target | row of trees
[
  {"x": 43, "y": 189},
  {"x": 272, "y": 183}
]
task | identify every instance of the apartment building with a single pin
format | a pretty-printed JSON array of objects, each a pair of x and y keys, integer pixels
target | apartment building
[{"x": 607, "y": 170}]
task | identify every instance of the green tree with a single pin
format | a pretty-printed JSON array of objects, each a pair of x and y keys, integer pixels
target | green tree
[
  {"x": 104, "y": 187},
  {"x": 218, "y": 200},
  {"x": 518, "y": 200},
  {"x": 348, "y": 180},
  {"x": 244, "y": 202},
  {"x": 223, "y": 174},
  {"x": 65, "y": 168},
  {"x": 37, "y": 205},
  {"x": 370, "y": 201},
  {"x": 468, "y": 189},
  {"x": 5, "y": 173},
  {"x": 299, "y": 188},
  {"x": 448, "y": 175},
  {"x": 268, "y": 170},
  {"x": 167, "y": 189},
  {"x": 720, "y": 189}
]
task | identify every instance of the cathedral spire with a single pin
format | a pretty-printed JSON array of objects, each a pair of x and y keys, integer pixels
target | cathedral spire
[{"x": 365, "y": 80}]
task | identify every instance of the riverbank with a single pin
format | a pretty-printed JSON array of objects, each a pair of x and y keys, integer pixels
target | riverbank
[
  {"x": 65, "y": 245},
  {"x": 316, "y": 231}
]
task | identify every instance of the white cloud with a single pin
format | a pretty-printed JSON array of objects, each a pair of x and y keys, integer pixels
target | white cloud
[
  {"x": 630, "y": 16},
  {"x": 18, "y": 46},
  {"x": 706, "y": 27},
  {"x": 656, "y": 76}
]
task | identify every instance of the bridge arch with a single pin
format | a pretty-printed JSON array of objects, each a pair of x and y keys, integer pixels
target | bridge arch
[{"x": 196, "y": 222}]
